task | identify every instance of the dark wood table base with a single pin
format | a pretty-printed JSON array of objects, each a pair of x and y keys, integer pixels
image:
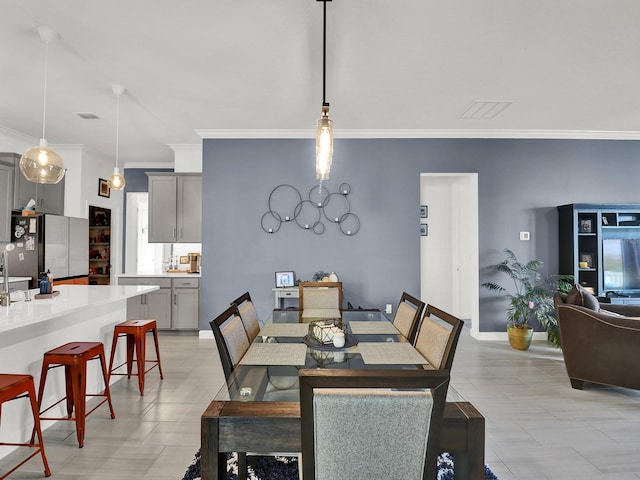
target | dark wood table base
[{"x": 275, "y": 427}]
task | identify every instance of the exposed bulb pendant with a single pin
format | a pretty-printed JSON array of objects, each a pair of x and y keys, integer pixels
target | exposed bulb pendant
[
  {"x": 116, "y": 181},
  {"x": 324, "y": 126},
  {"x": 42, "y": 164},
  {"x": 324, "y": 144}
]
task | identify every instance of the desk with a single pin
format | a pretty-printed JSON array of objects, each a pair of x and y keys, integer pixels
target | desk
[
  {"x": 282, "y": 293},
  {"x": 269, "y": 419}
]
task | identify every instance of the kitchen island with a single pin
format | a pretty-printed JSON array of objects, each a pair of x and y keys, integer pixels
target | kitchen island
[{"x": 80, "y": 313}]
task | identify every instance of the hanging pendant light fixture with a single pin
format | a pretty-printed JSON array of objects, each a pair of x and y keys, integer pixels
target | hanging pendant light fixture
[
  {"x": 42, "y": 164},
  {"x": 324, "y": 126},
  {"x": 116, "y": 181}
]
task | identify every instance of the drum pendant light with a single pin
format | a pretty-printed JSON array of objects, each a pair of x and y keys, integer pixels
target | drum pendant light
[
  {"x": 42, "y": 164},
  {"x": 324, "y": 126},
  {"x": 116, "y": 181}
]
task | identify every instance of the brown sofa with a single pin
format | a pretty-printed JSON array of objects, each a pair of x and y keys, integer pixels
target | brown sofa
[{"x": 600, "y": 346}]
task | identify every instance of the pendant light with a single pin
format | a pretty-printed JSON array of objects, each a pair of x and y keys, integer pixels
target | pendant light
[
  {"x": 42, "y": 164},
  {"x": 116, "y": 181},
  {"x": 324, "y": 126}
]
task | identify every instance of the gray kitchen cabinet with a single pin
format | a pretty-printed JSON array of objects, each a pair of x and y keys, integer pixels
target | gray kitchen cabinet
[
  {"x": 175, "y": 306},
  {"x": 154, "y": 305},
  {"x": 175, "y": 208},
  {"x": 6, "y": 200},
  {"x": 185, "y": 309},
  {"x": 48, "y": 198}
]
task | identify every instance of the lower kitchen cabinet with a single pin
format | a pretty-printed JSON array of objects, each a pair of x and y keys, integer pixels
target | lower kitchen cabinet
[{"x": 175, "y": 306}]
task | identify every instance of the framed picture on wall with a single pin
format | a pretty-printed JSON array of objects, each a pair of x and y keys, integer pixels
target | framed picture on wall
[
  {"x": 424, "y": 229},
  {"x": 103, "y": 188}
]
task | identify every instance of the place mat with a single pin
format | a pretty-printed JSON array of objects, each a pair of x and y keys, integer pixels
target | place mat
[
  {"x": 275, "y": 354},
  {"x": 284, "y": 330},
  {"x": 390, "y": 353},
  {"x": 368, "y": 327}
]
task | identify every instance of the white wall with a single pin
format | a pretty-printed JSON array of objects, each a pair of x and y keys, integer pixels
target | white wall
[{"x": 449, "y": 254}]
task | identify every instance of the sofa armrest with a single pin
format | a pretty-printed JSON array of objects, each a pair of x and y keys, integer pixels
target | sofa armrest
[{"x": 626, "y": 310}]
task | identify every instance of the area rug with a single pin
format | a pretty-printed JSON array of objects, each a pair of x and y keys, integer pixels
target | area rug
[{"x": 286, "y": 468}]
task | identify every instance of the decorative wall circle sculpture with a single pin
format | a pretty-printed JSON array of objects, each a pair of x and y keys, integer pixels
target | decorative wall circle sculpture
[{"x": 286, "y": 205}]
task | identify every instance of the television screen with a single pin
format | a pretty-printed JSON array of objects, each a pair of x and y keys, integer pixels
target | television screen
[
  {"x": 621, "y": 263},
  {"x": 285, "y": 279}
]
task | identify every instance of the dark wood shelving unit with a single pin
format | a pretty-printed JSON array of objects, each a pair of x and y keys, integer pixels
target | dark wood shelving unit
[{"x": 99, "y": 246}]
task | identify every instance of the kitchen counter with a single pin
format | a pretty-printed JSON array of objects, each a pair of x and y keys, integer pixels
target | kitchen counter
[
  {"x": 80, "y": 313},
  {"x": 17, "y": 279},
  {"x": 159, "y": 274}
]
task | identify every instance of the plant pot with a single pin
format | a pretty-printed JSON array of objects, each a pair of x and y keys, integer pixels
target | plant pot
[{"x": 520, "y": 337}]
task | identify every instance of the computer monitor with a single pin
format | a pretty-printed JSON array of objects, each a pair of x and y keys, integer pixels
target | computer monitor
[{"x": 285, "y": 279}]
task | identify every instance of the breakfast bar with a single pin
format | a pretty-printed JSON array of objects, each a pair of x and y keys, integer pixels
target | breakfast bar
[{"x": 30, "y": 328}]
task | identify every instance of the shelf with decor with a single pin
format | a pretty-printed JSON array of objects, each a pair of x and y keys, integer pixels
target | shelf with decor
[{"x": 99, "y": 246}]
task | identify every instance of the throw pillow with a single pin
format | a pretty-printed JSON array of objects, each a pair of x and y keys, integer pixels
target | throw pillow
[{"x": 579, "y": 296}]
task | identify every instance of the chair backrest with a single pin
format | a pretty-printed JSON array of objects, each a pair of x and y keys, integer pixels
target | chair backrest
[
  {"x": 437, "y": 337},
  {"x": 231, "y": 338},
  {"x": 407, "y": 316},
  {"x": 364, "y": 424},
  {"x": 318, "y": 299},
  {"x": 248, "y": 315}
]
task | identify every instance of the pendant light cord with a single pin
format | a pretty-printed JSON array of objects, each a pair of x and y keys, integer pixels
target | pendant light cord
[
  {"x": 46, "y": 71},
  {"x": 117, "y": 128},
  {"x": 324, "y": 52}
]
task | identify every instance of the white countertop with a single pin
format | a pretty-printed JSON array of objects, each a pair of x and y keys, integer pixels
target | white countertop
[
  {"x": 18, "y": 279},
  {"x": 159, "y": 274},
  {"x": 72, "y": 298}
]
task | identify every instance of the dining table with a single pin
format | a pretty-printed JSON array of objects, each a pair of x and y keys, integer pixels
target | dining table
[{"x": 258, "y": 407}]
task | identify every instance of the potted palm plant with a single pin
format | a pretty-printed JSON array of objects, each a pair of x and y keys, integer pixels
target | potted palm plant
[{"x": 530, "y": 297}]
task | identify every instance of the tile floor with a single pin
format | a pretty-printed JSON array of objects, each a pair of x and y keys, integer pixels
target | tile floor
[{"x": 538, "y": 427}]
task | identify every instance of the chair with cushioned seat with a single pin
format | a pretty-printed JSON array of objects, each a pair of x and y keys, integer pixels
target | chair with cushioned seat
[
  {"x": 366, "y": 424},
  {"x": 248, "y": 314},
  {"x": 437, "y": 337},
  {"x": 231, "y": 338},
  {"x": 13, "y": 387},
  {"x": 407, "y": 316},
  {"x": 320, "y": 299}
]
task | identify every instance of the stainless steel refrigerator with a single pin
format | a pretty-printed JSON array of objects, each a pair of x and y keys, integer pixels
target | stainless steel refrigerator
[{"x": 49, "y": 242}]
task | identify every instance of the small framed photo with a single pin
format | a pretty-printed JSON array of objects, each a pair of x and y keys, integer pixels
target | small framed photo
[
  {"x": 184, "y": 259},
  {"x": 586, "y": 226},
  {"x": 586, "y": 260},
  {"x": 424, "y": 211},
  {"x": 285, "y": 279},
  {"x": 424, "y": 229},
  {"x": 103, "y": 188}
]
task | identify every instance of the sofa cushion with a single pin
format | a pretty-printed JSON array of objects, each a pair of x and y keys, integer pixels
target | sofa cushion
[{"x": 579, "y": 296}]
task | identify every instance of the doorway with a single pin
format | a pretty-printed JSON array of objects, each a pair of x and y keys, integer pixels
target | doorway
[{"x": 449, "y": 263}]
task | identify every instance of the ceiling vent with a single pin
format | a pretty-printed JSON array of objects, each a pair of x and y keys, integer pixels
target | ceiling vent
[
  {"x": 484, "y": 110},
  {"x": 88, "y": 116}
]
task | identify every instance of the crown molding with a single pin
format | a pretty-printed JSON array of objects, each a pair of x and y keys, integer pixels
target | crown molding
[{"x": 423, "y": 133}]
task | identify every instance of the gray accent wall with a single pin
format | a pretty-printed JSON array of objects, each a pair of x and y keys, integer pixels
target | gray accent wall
[{"x": 520, "y": 183}]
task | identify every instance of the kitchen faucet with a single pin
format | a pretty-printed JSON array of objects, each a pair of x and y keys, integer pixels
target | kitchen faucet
[{"x": 5, "y": 295}]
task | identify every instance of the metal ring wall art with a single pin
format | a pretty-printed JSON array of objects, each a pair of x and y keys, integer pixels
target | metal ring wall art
[{"x": 286, "y": 205}]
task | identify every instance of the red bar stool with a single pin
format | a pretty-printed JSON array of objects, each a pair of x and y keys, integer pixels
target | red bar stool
[
  {"x": 74, "y": 356},
  {"x": 12, "y": 387},
  {"x": 136, "y": 333}
]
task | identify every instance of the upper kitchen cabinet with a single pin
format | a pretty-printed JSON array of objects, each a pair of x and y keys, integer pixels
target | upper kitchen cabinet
[
  {"x": 48, "y": 198},
  {"x": 175, "y": 208},
  {"x": 6, "y": 200}
]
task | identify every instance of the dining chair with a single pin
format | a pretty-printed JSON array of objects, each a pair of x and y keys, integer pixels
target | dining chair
[
  {"x": 248, "y": 314},
  {"x": 231, "y": 338},
  {"x": 407, "y": 316},
  {"x": 437, "y": 337},
  {"x": 320, "y": 299},
  {"x": 364, "y": 424}
]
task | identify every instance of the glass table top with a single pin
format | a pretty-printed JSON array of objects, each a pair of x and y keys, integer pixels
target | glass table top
[{"x": 268, "y": 371}]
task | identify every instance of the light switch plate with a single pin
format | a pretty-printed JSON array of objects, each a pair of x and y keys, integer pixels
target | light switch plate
[{"x": 524, "y": 236}]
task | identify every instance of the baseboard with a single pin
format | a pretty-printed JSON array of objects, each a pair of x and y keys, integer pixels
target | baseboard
[
  {"x": 502, "y": 336},
  {"x": 205, "y": 334}
]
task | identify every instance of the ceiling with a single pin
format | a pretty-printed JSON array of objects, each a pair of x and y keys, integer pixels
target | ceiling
[{"x": 245, "y": 68}]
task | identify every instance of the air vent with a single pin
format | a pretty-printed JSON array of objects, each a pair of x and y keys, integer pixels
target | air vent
[
  {"x": 484, "y": 110},
  {"x": 88, "y": 116}
]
